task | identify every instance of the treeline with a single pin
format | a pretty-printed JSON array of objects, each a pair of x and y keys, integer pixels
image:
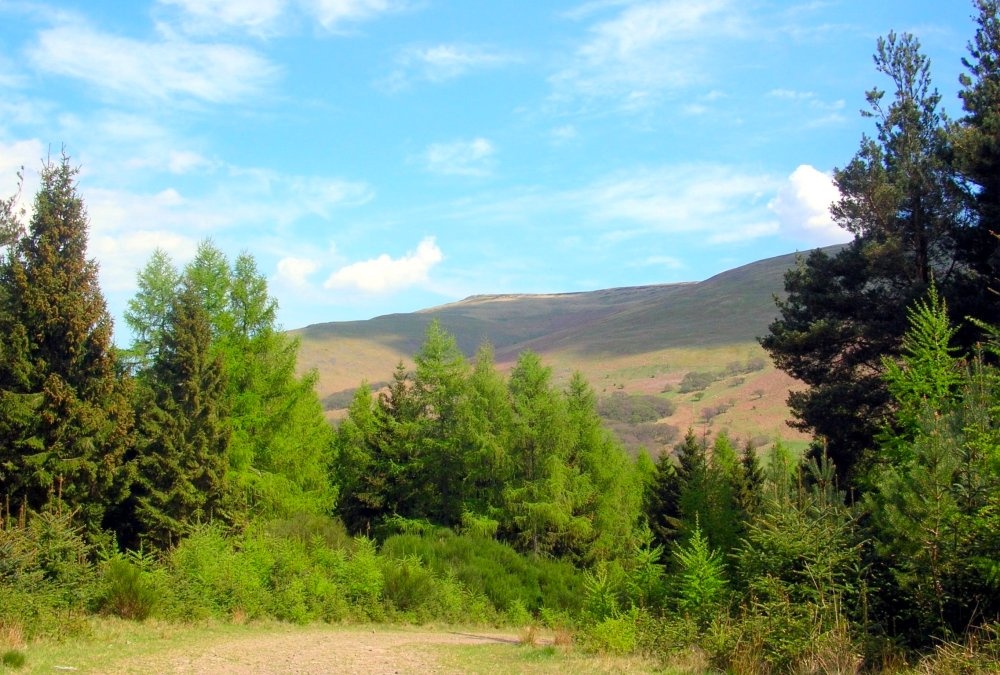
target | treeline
[
  {"x": 193, "y": 474},
  {"x": 203, "y": 419}
]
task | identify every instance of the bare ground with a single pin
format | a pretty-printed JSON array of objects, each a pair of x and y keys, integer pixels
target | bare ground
[{"x": 312, "y": 650}]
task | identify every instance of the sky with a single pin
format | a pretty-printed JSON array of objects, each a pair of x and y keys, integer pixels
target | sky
[{"x": 379, "y": 156}]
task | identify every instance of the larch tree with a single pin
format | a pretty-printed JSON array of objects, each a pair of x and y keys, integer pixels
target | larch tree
[{"x": 147, "y": 310}]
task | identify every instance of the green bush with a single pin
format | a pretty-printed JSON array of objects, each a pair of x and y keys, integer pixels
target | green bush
[
  {"x": 128, "y": 589},
  {"x": 13, "y": 658},
  {"x": 214, "y": 579},
  {"x": 493, "y": 570},
  {"x": 696, "y": 381},
  {"x": 615, "y": 635}
]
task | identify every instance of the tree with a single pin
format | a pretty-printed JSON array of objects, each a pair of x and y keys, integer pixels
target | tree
[
  {"x": 281, "y": 445},
  {"x": 903, "y": 200},
  {"x": 488, "y": 433},
  {"x": 182, "y": 455},
  {"x": 440, "y": 385},
  {"x": 933, "y": 499},
  {"x": 978, "y": 150},
  {"x": 279, "y": 453},
  {"x": 69, "y": 424},
  {"x": 146, "y": 314}
]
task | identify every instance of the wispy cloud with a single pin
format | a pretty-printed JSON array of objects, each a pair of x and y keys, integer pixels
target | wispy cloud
[
  {"x": 245, "y": 204},
  {"x": 161, "y": 71},
  {"x": 255, "y": 17},
  {"x": 265, "y": 18},
  {"x": 460, "y": 158},
  {"x": 443, "y": 62},
  {"x": 334, "y": 14},
  {"x": 293, "y": 271},
  {"x": 646, "y": 48},
  {"x": 818, "y": 112},
  {"x": 384, "y": 273}
]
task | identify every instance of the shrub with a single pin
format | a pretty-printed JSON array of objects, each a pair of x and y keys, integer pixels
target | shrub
[
  {"x": 695, "y": 381},
  {"x": 128, "y": 589},
  {"x": 13, "y": 658},
  {"x": 616, "y": 634}
]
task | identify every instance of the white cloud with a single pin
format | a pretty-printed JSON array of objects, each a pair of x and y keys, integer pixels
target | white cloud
[
  {"x": 27, "y": 155},
  {"x": 384, "y": 274},
  {"x": 295, "y": 272},
  {"x": 666, "y": 261},
  {"x": 331, "y": 14},
  {"x": 245, "y": 204},
  {"x": 802, "y": 206},
  {"x": 160, "y": 71},
  {"x": 264, "y": 18},
  {"x": 460, "y": 158},
  {"x": 256, "y": 17},
  {"x": 745, "y": 232},
  {"x": 443, "y": 62},
  {"x": 185, "y": 161},
  {"x": 714, "y": 199},
  {"x": 122, "y": 255},
  {"x": 564, "y": 134},
  {"x": 646, "y": 48}
]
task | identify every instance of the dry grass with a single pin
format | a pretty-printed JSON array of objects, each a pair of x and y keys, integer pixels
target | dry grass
[
  {"x": 562, "y": 637},
  {"x": 528, "y": 635},
  {"x": 11, "y": 635}
]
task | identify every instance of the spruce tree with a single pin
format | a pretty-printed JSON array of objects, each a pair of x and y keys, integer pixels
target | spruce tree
[
  {"x": 66, "y": 408},
  {"x": 184, "y": 434}
]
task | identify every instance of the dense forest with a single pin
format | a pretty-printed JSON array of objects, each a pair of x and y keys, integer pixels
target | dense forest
[{"x": 194, "y": 475}]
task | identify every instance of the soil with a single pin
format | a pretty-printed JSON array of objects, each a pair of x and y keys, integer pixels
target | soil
[{"x": 313, "y": 650}]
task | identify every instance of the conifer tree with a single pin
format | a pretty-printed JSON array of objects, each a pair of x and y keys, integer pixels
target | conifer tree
[
  {"x": 663, "y": 502},
  {"x": 146, "y": 314},
  {"x": 281, "y": 443},
  {"x": 361, "y": 469},
  {"x": 904, "y": 201},
  {"x": 69, "y": 424},
  {"x": 184, "y": 434},
  {"x": 488, "y": 432},
  {"x": 978, "y": 150},
  {"x": 440, "y": 384}
]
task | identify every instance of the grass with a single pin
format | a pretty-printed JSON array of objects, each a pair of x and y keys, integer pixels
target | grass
[
  {"x": 541, "y": 658},
  {"x": 115, "y": 645}
]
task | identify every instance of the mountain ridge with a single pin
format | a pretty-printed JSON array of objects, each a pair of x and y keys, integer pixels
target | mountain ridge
[{"x": 639, "y": 340}]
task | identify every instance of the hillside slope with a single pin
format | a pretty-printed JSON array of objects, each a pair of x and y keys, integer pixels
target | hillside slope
[{"x": 635, "y": 340}]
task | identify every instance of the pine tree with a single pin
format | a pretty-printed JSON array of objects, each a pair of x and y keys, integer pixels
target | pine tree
[
  {"x": 69, "y": 424},
  {"x": 440, "y": 384},
  {"x": 182, "y": 458},
  {"x": 663, "y": 508},
  {"x": 903, "y": 200},
  {"x": 978, "y": 150}
]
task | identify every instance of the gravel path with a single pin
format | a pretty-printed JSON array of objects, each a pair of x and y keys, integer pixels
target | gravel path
[{"x": 313, "y": 650}]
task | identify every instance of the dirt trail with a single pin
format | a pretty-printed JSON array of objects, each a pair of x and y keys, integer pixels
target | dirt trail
[{"x": 312, "y": 650}]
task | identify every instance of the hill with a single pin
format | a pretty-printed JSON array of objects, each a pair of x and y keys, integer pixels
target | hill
[{"x": 693, "y": 344}]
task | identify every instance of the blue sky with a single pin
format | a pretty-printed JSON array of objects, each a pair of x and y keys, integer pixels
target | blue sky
[{"x": 379, "y": 156}]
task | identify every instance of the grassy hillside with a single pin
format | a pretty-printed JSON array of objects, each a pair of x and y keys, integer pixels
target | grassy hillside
[{"x": 640, "y": 341}]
